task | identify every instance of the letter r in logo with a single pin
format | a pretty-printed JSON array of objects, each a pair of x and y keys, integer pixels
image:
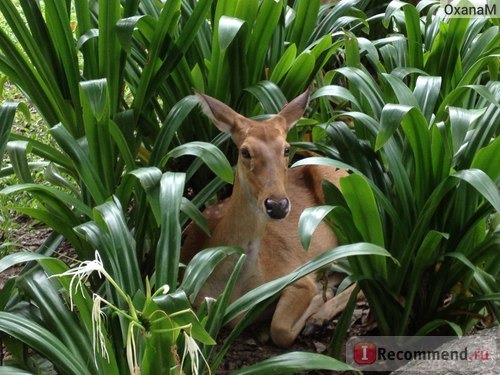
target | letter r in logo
[{"x": 365, "y": 353}]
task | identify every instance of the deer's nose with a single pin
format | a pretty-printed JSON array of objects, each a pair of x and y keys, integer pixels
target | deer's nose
[{"x": 277, "y": 208}]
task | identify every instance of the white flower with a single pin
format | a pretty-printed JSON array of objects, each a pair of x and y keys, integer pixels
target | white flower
[
  {"x": 192, "y": 349},
  {"x": 98, "y": 338},
  {"x": 80, "y": 274}
]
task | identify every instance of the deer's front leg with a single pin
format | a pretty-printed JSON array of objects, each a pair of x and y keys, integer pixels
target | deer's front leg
[{"x": 296, "y": 304}]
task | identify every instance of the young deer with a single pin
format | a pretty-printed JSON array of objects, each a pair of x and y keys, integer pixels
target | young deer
[{"x": 262, "y": 215}]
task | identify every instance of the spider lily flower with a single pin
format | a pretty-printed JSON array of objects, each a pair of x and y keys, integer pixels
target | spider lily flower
[
  {"x": 81, "y": 273},
  {"x": 98, "y": 339},
  {"x": 192, "y": 349}
]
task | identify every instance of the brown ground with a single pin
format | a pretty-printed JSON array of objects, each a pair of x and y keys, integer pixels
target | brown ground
[{"x": 252, "y": 346}]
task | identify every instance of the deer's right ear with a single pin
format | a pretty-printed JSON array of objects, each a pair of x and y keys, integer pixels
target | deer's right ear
[{"x": 223, "y": 117}]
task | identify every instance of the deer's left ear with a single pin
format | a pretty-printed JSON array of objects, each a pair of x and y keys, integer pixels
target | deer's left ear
[
  {"x": 223, "y": 117},
  {"x": 293, "y": 111}
]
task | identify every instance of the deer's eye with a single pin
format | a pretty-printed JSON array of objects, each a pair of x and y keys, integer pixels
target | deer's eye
[
  {"x": 245, "y": 153},
  {"x": 286, "y": 152}
]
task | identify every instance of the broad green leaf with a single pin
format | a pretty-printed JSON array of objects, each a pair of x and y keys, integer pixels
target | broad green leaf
[
  {"x": 284, "y": 64},
  {"x": 82, "y": 162},
  {"x": 461, "y": 121},
  {"x": 271, "y": 288},
  {"x": 308, "y": 222},
  {"x": 402, "y": 93},
  {"x": 47, "y": 191},
  {"x": 228, "y": 29},
  {"x": 269, "y": 95},
  {"x": 265, "y": 25},
  {"x": 299, "y": 74},
  {"x": 487, "y": 159},
  {"x": 304, "y": 22},
  {"x": 13, "y": 259},
  {"x": 294, "y": 362},
  {"x": 367, "y": 88},
  {"x": 361, "y": 201},
  {"x": 390, "y": 120},
  {"x": 56, "y": 315},
  {"x": 195, "y": 215},
  {"x": 169, "y": 129},
  {"x": 427, "y": 93},
  {"x": 201, "y": 266},
  {"x": 96, "y": 92},
  {"x": 7, "y": 112},
  {"x": 173, "y": 303},
  {"x": 9, "y": 370},
  {"x": 44, "y": 341},
  {"x": 18, "y": 151},
  {"x": 418, "y": 136},
  {"x": 210, "y": 154},
  {"x": 483, "y": 184},
  {"x": 169, "y": 244},
  {"x": 337, "y": 92},
  {"x": 434, "y": 324}
]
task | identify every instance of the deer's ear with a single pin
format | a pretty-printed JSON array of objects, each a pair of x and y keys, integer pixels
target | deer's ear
[
  {"x": 223, "y": 117},
  {"x": 293, "y": 111}
]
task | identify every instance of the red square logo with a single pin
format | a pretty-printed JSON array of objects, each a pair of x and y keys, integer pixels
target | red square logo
[{"x": 365, "y": 353}]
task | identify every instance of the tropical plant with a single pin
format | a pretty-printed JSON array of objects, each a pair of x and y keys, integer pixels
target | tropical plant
[{"x": 420, "y": 135}]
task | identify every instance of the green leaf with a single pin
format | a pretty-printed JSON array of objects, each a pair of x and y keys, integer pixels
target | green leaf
[
  {"x": 9, "y": 370},
  {"x": 427, "y": 93},
  {"x": 284, "y": 64},
  {"x": 298, "y": 76},
  {"x": 361, "y": 201},
  {"x": 82, "y": 162},
  {"x": 390, "y": 120},
  {"x": 483, "y": 184},
  {"x": 64, "y": 199},
  {"x": 294, "y": 362},
  {"x": 169, "y": 128},
  {"x": 337, "y": 92},
  {"x": 7, "y": 113},
  {"x": 305, "y": 20},
  {"x": 270, "y": 289},
  {"x": 43, "y": 341},
  {"x": 169, "y": 244},
  {"x": 488, "y": 159},
  {"x": 434, "y": 324},
  {"x": 13, "y": 259},
  {"x": 308, "y": 222},
  {"x": 228, "y": 29},
  {"x": 202, "y": 265},
  {"x": 210, "y": 154},
  {"x": 18, "y": 151}
]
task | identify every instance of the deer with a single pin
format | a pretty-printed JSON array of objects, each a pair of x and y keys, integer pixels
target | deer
[{"x": 261, "y": 216}]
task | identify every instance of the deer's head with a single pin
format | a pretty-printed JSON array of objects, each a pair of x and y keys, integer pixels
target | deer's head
[{"x": 261, "y": 170}]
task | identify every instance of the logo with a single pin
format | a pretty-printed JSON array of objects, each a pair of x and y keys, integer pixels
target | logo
[{"x": 364, "y": 353}]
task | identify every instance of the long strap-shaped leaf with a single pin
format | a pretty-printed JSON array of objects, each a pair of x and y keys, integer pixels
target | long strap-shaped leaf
[{"x": 42, "y": 340}]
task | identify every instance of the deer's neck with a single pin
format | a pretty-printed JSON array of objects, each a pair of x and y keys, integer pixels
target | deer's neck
[{"x": 243, "y": 224}]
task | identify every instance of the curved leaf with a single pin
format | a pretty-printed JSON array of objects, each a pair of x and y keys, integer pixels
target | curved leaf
[
  {"x": 210, "y": 154},
  {"x": 271, "y": 288},
  {"x": 483, "y": 184},
  {"x": 308, "y": 222},
  {"x": 169, "y": 244},
  {"x": 202, "y": 265},
  {"x": 294, "y": 362},
  {"x": 43, "y": 341}
]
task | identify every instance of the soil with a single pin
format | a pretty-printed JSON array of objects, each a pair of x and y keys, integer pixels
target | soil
[{"x": 250, "y": 347}]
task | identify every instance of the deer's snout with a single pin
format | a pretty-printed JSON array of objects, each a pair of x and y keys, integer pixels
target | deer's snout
[{"x": 277, "y": 208}]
